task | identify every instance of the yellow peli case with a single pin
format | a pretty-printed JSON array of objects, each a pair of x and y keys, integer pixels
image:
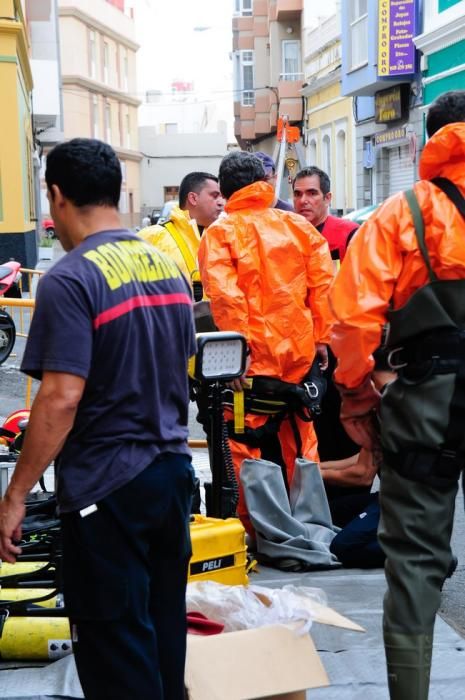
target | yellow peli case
[{"x": 219, "y": 552}]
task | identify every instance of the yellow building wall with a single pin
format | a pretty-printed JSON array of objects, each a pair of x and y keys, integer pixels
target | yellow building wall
[
  {"x": 16, "y": 170},
  {"x": 330, "y": 109}
]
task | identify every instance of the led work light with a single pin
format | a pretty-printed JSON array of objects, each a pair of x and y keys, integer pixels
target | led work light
[{"x": 221, "y": 356}]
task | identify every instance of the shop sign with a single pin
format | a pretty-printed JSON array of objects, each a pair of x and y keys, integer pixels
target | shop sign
[
  {"x": 385, "y": 138},
  {"x": 397, "y": 21},
  {"x": 391, "y": 104}
]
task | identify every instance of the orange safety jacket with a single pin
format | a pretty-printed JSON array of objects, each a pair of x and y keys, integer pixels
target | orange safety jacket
[
  {"x": 383, "y": 265},
  {"x": 267, "y": 273}
]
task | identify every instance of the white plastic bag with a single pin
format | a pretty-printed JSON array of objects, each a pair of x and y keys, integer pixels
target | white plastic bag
[{"x": 246, "y": 607}]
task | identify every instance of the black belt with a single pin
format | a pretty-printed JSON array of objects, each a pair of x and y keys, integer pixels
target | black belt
[
  {"x": 445, "y": 351},
  {"x": 434, "y": 467}
]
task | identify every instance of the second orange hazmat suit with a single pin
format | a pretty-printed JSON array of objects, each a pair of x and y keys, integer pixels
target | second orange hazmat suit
[{"x": 267, "y": 273}]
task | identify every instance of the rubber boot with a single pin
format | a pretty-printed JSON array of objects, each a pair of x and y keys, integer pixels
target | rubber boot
[{"x": 408, "y": 665}]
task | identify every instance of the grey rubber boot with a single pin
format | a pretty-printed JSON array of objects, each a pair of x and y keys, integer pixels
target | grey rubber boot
[{"x": 408, "y": 665}]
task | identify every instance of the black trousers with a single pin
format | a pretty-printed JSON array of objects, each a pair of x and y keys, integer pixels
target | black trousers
[{"x": 125, "y": 572}]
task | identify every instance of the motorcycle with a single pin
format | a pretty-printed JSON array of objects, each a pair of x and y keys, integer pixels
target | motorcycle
[
  {"x": 48, "y": 227},
  {"x": 9, "y": 287}
]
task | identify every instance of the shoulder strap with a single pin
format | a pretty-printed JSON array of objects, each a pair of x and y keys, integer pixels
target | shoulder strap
[
  {"x": 418, "y": 222},
  {"x": 452, "y": 191},
  {"x": 182, "y": 245}
]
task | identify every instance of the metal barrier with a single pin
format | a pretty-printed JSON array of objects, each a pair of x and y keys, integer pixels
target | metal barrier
[{"x": 33, "y": 277}]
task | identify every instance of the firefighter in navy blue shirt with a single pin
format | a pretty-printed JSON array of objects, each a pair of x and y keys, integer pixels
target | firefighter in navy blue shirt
[{"x": 110, "y": 341}]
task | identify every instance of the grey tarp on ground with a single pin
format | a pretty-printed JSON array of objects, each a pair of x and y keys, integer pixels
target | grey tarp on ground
[
  {"x": 298, "y": 526},
  {"x": 58, "y": 679},
  {"x": 355, "y": 661}
]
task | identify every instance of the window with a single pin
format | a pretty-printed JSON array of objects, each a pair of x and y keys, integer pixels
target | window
[
  {"x": 108, "y": 122},
  {"x": 247, "y": 78},
  {"x": 128, "y": 130},
  {"x": 106, "y": 61},
  {"x": 171, "y": 193},
  {"x": 30, "y": 179},
  {"x": 123, "y": 170},
  {"x": 311, "y": 152},
  {"x": 123, "y": 202},
  {"x": 243, "y": 69},
  {"x": 95, "y": 118},
  {"x": 358, "y": 32},
  {"x": 243, "y": 8},
  {"x": 291, "y": 61},
  {"x": 171, "y": 128},
  {"x": 125, "y": 72},
  {"x": 326, "y": 155},
  {"x": 340, "y": 198},
  {"x": 92, "y": 54}
]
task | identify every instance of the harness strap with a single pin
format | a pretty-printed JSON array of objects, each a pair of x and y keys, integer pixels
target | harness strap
[
  {"x": 256, "y": 436},
  {"x": 452, "y": 191},
  {"x": 419, "y": 225}
]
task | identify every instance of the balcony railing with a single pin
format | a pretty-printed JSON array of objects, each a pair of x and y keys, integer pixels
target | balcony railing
[{"x": 291, "y": 76}]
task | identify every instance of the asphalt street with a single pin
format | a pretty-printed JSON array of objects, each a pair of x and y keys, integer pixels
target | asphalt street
[{"x": 12, "y": 397}]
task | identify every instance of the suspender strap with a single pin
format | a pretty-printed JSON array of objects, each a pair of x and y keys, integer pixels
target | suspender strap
[
  {"x": 452, "y": 191},
  {"x": 184, "y": 249},
  {"x": 455, "y": 440},
  {"x": 418, "y": 222}
]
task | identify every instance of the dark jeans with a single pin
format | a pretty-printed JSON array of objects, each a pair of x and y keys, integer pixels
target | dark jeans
[
  {"x": 125, "y": 573},
  {"x": 356, "y": 545}
]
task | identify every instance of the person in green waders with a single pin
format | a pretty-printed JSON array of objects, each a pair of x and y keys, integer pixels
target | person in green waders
[{"x": 406, "y": 268}]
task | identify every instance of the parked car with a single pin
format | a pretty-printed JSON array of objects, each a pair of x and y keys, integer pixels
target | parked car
[
  {"x": 361, "y": 215},
  {"x": 166, "y": 210}
]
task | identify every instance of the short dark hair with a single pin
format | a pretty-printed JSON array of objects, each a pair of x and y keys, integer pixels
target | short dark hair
[
  {"x": 237, "y": 170},
  {"x": 87, "y": 171},
  {"x": 325, "y": 182},
  {"x": 446, "y": 109},
  {"x": 193, "y": 182}
]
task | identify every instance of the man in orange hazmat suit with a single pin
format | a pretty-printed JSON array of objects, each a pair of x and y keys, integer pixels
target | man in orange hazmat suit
[
  {"x": 406, "y": 266},
  {"x": 267, "y": 273}
]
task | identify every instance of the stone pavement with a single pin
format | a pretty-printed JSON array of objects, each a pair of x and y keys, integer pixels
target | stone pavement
[{"x": 354, "y": 661}]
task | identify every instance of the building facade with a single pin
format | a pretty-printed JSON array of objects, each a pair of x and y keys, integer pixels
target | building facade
[
  {"x": 98, "y": 68},
  {"x": 17, "y": 196},
  {"x": 268, "y": 75},
  {"x": 381, "y": 71},
  {"x": 42, "y": 22},
  {"x": 329, "y": 128},
  {"x": 442, "y": 44}
]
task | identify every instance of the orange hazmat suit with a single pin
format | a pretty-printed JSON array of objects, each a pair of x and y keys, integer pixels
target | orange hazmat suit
[
  {"x": 267, "y": 273},
  {"x": 384, "y": 266}
]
